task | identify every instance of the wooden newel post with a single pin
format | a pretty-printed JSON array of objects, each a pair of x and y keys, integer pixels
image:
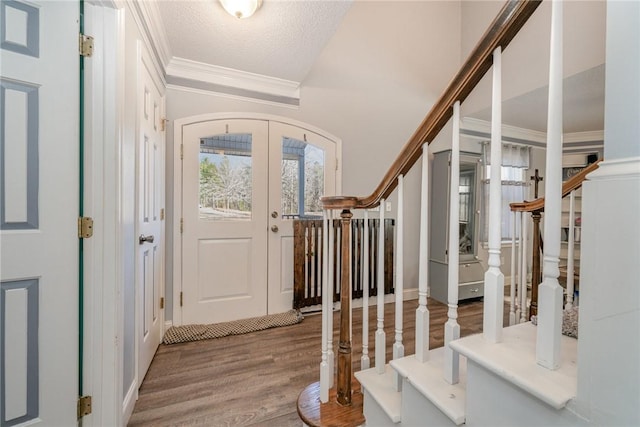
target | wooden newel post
[
  {"x": 536, "y": 276},
  {"x": 344, "y": 350}
]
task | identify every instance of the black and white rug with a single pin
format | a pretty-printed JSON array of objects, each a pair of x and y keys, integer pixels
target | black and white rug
[{"x": 178, "y": 334}]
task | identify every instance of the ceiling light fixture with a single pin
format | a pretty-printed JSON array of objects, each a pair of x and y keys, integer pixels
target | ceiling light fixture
[{"x": 241, "y": 8}]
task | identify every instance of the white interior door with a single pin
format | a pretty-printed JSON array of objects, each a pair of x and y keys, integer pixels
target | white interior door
[
  {"x": 150, "y": 197},
  {"x": 302, "y": 168},
  {"x": 224, "y": 213},
  {"x": 39, "y": 176}
]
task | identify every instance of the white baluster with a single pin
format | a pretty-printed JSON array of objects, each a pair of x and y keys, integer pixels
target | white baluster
[
  {"x": 519, "y": 305},
  {"x": 422, "y": 312},
  {"x": 550, "y": 291},
  {"x": 364, "y": 360},
  {"x": 398, "y": 347},
  {"x": 451, "y": 327},
  {"x": 493, "y": 278},
  {"x": 380, "y": 335},
  {"x": 571, "y": 249},
  {"x": 512, "y": 290},
  {"x": 523, "y": 278},
  {"x": 326, "y": 311},
  {"x": 330, "y": 354}
]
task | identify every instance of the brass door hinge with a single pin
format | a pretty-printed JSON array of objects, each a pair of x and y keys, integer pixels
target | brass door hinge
[
  {"x": 181, "y": 151},
  {"x": 161, "y": 214},
  {"x": 86, "y": 45},
  {"x": 161, "y": 303},
  {"x": 85, "y": 227},
  {"x": 84, "y": 406},
  {"x": 163, "y": 124},
  {"x": 181, "y": 225},
  {"x": 180, "y": 299}
]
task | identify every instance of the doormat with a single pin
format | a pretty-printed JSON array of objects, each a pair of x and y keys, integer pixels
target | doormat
[{"x": 186, "y": 333}]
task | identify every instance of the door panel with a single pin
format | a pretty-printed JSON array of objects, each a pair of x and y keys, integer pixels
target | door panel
[
  {"x": 224, "y": 260},
  {"x": 150, "y": 263},
  {"x": 302, "y": 169},
  {"x": 39, "y": 181}
]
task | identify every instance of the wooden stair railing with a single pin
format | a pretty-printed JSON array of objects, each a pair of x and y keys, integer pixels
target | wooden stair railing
[
  {"x": 502, "y": 30},
  {"x": 536, "y": 208},
  {"x": 308, "y": 256}
]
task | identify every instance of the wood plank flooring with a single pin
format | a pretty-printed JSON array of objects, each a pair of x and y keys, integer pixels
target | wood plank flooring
[{"x": 255, "y": 379}]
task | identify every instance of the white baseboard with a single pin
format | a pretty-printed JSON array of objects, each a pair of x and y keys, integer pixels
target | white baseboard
[{"x": 129, "y": 402}]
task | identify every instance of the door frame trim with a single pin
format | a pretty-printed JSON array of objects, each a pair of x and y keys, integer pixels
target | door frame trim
[
  {"x": 175, "y": 234},
  {"x": 103, "y": 255}
]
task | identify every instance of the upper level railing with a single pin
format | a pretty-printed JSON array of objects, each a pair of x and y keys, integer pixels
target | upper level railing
[
  {"x": 518, "y": 309},
  {"x": 568, "y": 186},
  {"x": 502, "y": 30}
]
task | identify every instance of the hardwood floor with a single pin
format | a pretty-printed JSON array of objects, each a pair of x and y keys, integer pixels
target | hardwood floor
[{"x": 255, "y": 379}]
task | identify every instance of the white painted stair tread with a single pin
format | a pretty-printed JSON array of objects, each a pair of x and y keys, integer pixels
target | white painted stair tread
[
  {"x": 428, "y": 379},
  {"x": 514, "y": 359},
  {"x": 381, "y": 388}
]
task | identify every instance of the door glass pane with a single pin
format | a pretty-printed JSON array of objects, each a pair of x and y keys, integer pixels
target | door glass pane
[
  {"x": 467, "y": 214},
  {"x": 302, "y": 179},
  {"x": 225, "y": 177}
]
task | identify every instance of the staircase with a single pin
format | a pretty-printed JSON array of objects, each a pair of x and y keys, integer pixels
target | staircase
[
  {"x": 516, "y": 375},
  {"x": 493, "y": 379}
]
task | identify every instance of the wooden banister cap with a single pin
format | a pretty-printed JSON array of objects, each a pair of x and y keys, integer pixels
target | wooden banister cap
[{"x": 339, "y": 202}]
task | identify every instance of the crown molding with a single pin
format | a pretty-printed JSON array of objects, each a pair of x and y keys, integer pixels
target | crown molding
[
  {"x": 574, "y": 141},
  {"x": 596, "y": 136},
  {"x": 481, "y": 130},
  {"x": 216, "y": 91},
  {"x": 223, "y": 77},
  {"x": 149, "y": 22}
]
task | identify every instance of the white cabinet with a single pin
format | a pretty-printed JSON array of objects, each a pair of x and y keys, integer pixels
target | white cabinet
[{"x": 470, "y": 271}]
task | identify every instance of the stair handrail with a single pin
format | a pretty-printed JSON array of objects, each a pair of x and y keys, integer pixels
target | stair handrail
[
  {"x": 502, "y": 30},
  {"x": 568, "y": 186}
]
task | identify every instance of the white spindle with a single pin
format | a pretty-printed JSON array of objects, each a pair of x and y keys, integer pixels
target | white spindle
[
  {"x": 380, "y": 335},
  {"x": 550, "y": 292},
  {"x": 364, "y": 360},
  {"x": 330, "y": 355},
  {"x": 571, "y": 249},
  {"x": 324, "y": 365},
  {"x": 523, "y": 277},
  {"x": 494, "y": 278},
  {"x": 422, "y": 312},
  {"x": 398, "y": 347},
  {"x": 519, "y": 305},
  {"x": 512, "y": 290},
  {"x": 451, "y": 327}
]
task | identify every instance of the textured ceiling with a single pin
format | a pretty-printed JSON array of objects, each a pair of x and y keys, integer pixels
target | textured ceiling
[{"x": 282, "y": 40}]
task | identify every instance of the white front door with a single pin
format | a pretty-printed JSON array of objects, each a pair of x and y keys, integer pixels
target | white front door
[
  {"x": 302, "y": 168},
  {"x": 39, "y": 187},
  {"x": 224, "y": 258},
  {"x": 150, "y": 211},
  {"x": 243, "y": 183}
]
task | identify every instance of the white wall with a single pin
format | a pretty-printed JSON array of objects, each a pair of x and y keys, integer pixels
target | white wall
[
  {"x": 372, "y": 85},
  {"x": 525, "y": 62},
  {"x": 609, "y": 344},
  {"x": 622, "y": 107}
]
